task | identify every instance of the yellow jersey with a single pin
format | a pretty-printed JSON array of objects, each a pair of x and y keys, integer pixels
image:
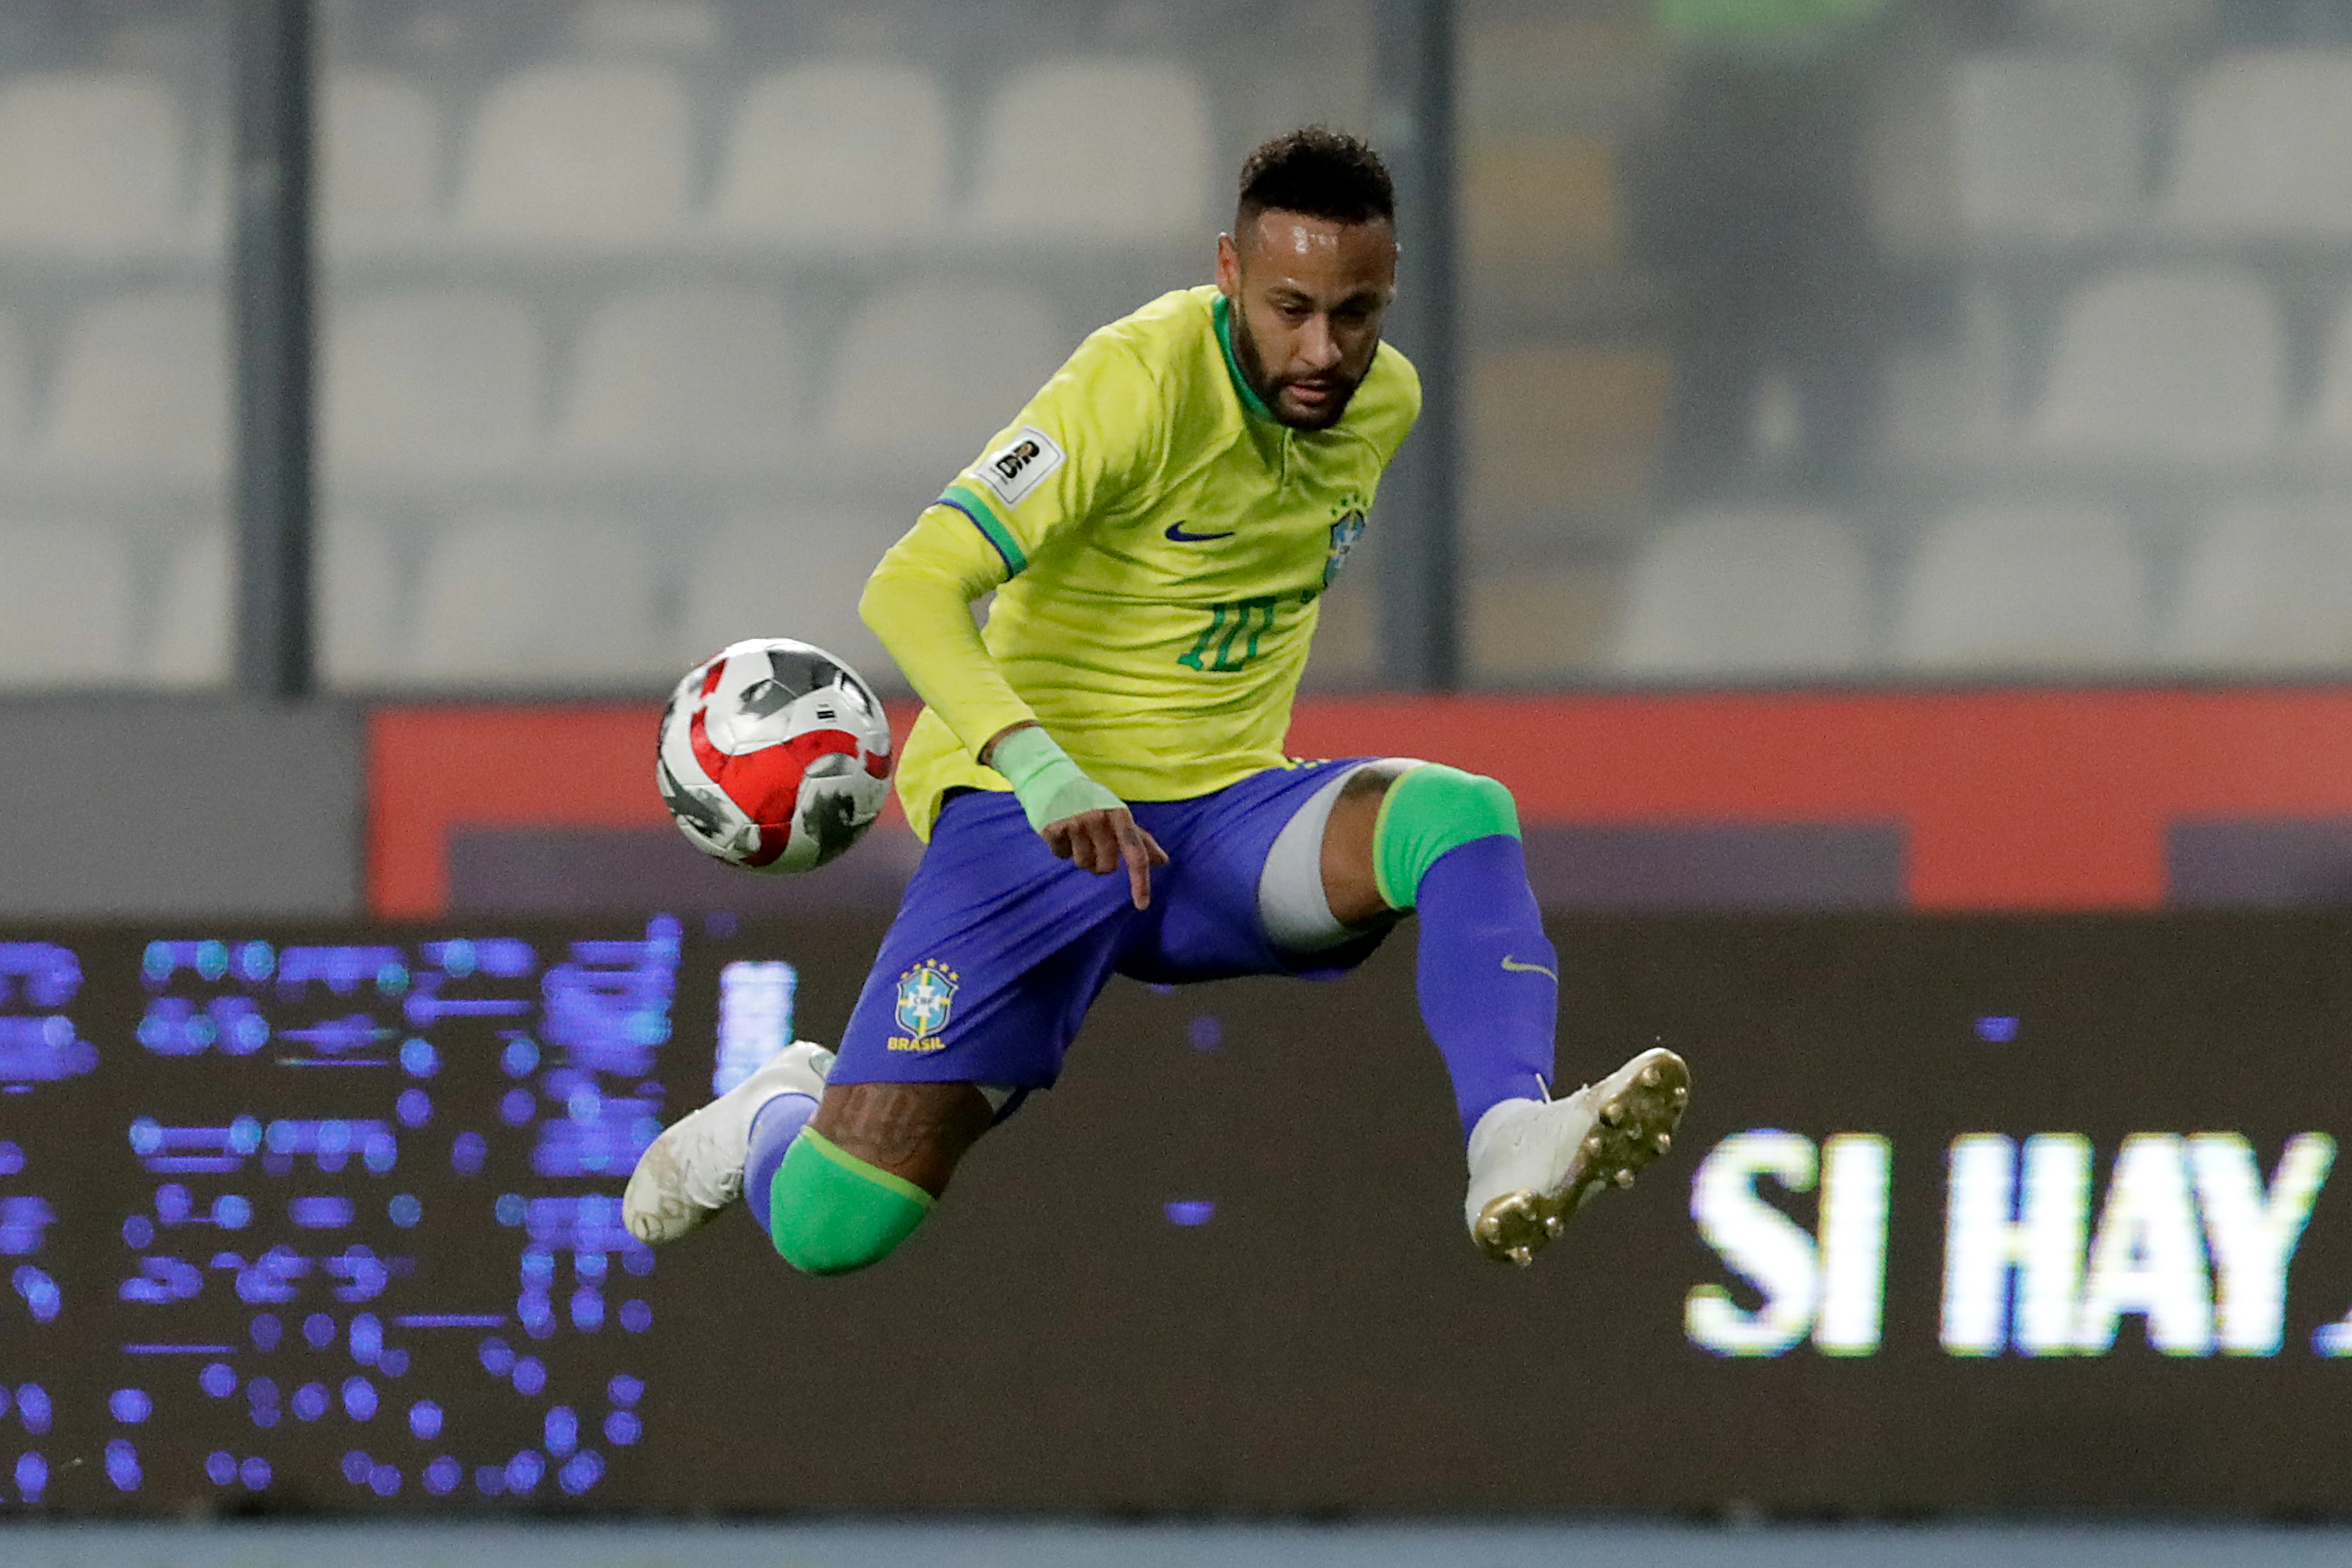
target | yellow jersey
[{"x": 1165, "y": 543}]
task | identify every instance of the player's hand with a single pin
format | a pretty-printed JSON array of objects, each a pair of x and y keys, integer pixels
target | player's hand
[{"x": 1101, "y": 841}]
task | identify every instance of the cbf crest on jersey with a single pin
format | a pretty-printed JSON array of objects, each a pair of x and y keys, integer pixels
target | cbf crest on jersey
[
  {"x": 1344, "y": 535},
  {"x": 925, "y": 997}
]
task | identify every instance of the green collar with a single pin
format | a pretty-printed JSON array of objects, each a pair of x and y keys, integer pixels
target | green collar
[{"x": 1221, "y": 308}]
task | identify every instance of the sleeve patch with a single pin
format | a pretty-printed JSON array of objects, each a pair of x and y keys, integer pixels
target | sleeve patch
[{"x": 1021, "y": 465}]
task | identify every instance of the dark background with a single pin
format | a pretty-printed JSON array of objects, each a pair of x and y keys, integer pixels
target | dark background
[{"x": 1329, "y": 1342}]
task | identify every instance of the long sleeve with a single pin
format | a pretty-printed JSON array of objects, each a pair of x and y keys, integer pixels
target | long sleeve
[{"x": 918, "y": 601}]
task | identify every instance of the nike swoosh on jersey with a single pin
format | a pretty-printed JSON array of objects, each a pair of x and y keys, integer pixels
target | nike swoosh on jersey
[
  {"x": 1176, "y": 532},
  {"x": 1518, "y": 968}
]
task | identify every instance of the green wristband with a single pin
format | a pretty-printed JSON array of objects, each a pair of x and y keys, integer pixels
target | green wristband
[{"x": 1049, "y": 786}]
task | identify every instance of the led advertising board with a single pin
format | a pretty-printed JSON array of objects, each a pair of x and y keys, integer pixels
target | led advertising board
[{"x": 1975, "y": 1214}]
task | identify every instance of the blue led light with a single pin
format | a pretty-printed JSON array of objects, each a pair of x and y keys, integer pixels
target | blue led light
[
  {"x": 254, "y": 1473},
  {"x": 319, "y": 1331},
  {"x": 358, "y": 1398},
  {"x": 261, "y": 1391},
  {"x": 393, "y": 1362},
  {"x": 636, "y": 1316},
  {"x": 310, "y": 1401},
  {"x": 582, "y": 1472},
  {"x": 1191, "y": 1212},
  {"x": 621, "y": 1427},
  {"x": 366, "y": 1338},
  {"x": 424, "y": 1420},
  {"x": 561, "y": 1430},
  {"x": 267, "y": 1332},
  {"x": 530, "y": 1376},
  {"x": 123, "y": 1465},
  {"x": 43, "y": 1299},
  {"x": 32, "y": 1477},
  {"x": 1205, "y": 1032},
  {"x": 1997, "y": 1028},
  {"x": 525, "y": 1470},
  {"x": 379, "y": 1152},
  {"x": 130, "y": 1405},
  {"x": 498, "y": 1358},
  {"x": 489, "y": 1480},
  {"x": 520, "y": 1057},
  {"x": 221, "y": 1468},
  {"x": 33, "y": 1407},
  {"x": 588, "y": 1309},
  {"x": 516, "y": 1106},
  {"x": 358, "y": 1466},
  {"x": 405, "y": 1210},
  {"x": 12, "y": 1158},
  {"x": 414, "y": 1107},
  {"x": 172, "y": 1204},
  {"x": 625, "y": 1389},
  {"x": 468, "y": 1153},
  {"x": 442, "y": 1475},
  {"x": 217, "y": 1380},
  {"x": 231, "y": 1212},
  {"x": 510, "y": 1209},
  {"x": 383, "y": 1480}
]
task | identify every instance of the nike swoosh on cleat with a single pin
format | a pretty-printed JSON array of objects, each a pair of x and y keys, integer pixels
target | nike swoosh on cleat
[
  {"x": 1518, "y": 968},
  {"x": 1176, "y": 532}
]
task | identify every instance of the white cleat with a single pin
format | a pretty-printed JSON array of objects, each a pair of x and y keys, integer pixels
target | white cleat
[
  {"x": 1533, "y": 1162},
  {"x": 695, "y": 1168}
]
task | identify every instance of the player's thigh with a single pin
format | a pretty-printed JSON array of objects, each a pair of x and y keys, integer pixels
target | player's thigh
[
  {"x": 1351, "y": 878},
  {"x": 918, "y": 1132}
]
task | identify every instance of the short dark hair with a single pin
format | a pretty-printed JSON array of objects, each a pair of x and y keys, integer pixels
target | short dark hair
[{"x": 1316, "y": 173}]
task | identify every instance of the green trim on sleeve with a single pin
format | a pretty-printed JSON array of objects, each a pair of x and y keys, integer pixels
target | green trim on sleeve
[
  {"x": 819, "y": 1143},
  {"x": 1221, "y": 308},
  {"x": 972, "y": 505}
]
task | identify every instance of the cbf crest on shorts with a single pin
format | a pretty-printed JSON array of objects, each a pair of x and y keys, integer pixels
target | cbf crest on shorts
[{"x": 925, "y": 997}]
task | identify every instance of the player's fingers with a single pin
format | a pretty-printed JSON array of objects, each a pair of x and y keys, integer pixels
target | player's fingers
[
  {"x": 1060, "y": 837},
  {"x": 1102, "y": 838},
  {"x": 1159, "y": 855},
  {"x": 1135, "y": 847},
  {"x": 1082, "y": 842}
]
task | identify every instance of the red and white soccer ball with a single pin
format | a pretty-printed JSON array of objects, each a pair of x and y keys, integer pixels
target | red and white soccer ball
[{"x": 774, "y": 755}]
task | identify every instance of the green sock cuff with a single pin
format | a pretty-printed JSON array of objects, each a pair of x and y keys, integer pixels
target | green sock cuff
[
  {"x": 1426, "y": 812},
  {"x": 830, "y": 1212}
]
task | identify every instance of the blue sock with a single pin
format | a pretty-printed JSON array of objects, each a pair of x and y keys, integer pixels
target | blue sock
[
  {"x": 773, "y": 1128},
  {"x": 1489, "y": 979}
]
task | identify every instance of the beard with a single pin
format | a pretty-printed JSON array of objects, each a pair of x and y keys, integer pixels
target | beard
[{"x": 1270, "y": 389}]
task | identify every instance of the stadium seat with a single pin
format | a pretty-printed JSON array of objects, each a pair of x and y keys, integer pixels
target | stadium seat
[
  {"x": 1104, "y": 149},
  {"x": 2268, "y": 586},
  {"x": 429, "y": 381},
  {"x": 190, "y": 645},
  {"x": 2331, "y": 407},
  {"x": 580, "y": 154},
  {"x": 379, "y": 176},
  {"x": 2046, "y": 147},
  {"x": 143, "y": 386},
  {"x": 2127, "y": 24},
  {"x": 2025, "y": 588},
  {"x": 65, "y": 603},
  {"x": 927, "y": 372},
  {"x": 2178, "y": 366},
  {"x": 534, "y": 599},
  {"x": 90, "y": 162},
  {"x": 793, "y": 573},
  {"x": 695, "y": 379},
  {"x": 356, "y": 588},
  {"x": 2265, "y": 146},
  {"x": 1746, "y": 593},
  {"x": 833, "y": 152},
  {"x": 1949, "y": 402}
]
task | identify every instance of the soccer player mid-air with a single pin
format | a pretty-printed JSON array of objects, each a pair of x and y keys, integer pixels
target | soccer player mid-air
[{"x": 1099, "y": 775}]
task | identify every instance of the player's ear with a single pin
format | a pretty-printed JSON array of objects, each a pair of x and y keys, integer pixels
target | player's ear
[{"x": 1229, "y": 267}]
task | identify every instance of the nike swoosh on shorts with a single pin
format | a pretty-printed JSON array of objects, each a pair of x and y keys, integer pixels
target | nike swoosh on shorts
[
  {"x": 1176, "y": 532},
  {"x": 1516, "y": 967}
]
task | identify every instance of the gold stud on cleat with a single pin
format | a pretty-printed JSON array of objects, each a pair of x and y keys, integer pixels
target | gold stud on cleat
[
  {"x": 1554, "y": 1226},
  {"x": 1613, "y": 1113},
  {"x": 1650, "y": 1077},
  {"x": 1624, "y": 1178},
  {"x": 1664, "y": 1141}
]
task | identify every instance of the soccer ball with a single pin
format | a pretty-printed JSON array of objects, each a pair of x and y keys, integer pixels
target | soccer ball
[{"x": 774, "y": 755}]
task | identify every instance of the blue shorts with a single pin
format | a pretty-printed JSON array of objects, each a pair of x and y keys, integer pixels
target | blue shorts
[{"x": 1000, "y": 948}]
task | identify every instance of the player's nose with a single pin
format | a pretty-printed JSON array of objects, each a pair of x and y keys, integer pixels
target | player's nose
[{"x": 1317, "y": 349}]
